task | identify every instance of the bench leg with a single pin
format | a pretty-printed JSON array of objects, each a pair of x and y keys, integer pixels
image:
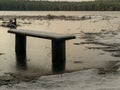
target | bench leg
[
  {"x": 20, "y": 43},
  {"x": 21, "y": 61},
  {"x": 58, "y": 55}
]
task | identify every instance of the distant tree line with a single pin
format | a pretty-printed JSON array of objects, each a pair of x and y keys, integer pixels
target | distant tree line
[{"x": 39, "y": 5}]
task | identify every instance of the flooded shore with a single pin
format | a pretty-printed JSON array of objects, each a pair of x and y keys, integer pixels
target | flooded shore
[{"x": 96, "y": 45}]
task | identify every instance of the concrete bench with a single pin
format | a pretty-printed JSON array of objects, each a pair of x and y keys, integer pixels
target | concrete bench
[{"x": 58, "y": 45}]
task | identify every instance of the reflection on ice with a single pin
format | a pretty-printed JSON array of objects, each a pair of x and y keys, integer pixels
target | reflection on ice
[{"x": 21, "y": 61}]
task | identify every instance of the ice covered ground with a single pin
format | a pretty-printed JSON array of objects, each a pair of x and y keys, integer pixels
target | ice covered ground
[
  {"x": 106, "y": 78},
  {"x": 81, "y": 80}
]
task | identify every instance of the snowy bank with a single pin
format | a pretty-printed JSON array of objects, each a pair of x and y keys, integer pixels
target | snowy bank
[{"x": 81, "y": 80}]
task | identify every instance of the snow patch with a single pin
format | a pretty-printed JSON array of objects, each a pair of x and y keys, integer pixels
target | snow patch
[{"x": 80, "y": 80}]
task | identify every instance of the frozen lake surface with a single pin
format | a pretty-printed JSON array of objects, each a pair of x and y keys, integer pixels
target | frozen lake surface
[{"x": 93, "y": 54}]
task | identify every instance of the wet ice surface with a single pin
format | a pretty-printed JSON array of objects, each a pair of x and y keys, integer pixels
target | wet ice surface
[
  {"x": 105, "y": 40},
  {"x": 104, "y": 78},
  {"x": 96, "y": 54}
]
